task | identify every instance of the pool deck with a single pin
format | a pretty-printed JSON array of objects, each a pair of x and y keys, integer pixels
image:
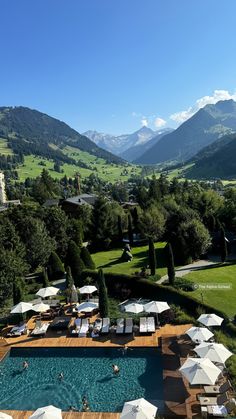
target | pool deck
[{"x": 180, "y": 399}]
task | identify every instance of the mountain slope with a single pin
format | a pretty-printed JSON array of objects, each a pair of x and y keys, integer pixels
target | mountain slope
[
  {"x": 32, "y": 132},
  {"x": 203, "y": 128},
  {"x": 215, "y": 161},
  {"x": 119, "y": 144},
  {"x": 136, "y": 151}
]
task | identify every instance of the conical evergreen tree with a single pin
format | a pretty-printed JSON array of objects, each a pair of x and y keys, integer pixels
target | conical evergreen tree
[
  {"x": 103, "y": 298},
  {"x": 152, "y": 256},
  {"x": 55, "y": 267},
  {"x": 170, "y": 263},
  {"x": 223, "y": 246},
  {"x": 45, "y": 279},
  {"x": 74, "y": 260},
  {"x": 130, "y": 231},
  {"x": 69, "y": 278},
  {"x": 87, "y": 258},
  {"x": 119, "y": 227}
]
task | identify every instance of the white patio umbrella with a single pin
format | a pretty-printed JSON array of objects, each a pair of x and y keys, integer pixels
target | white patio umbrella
[
  {"x": 87, "y": 307},
  {"x": 134, "y": 308},
  {"x": 41, "y": 307},
  {"x": 156, "y": 307},
  {"x": 87, "y": 289},
  {"x": 138, "y": 409},
  {"x": 47, "y": 412},
  {"x": 5, "y": 416},
  {"x": 199, "y": 334},
  {"x": 21, "y": 308},
  {"x": 47, "y": 292},
  {"x": 216, "y": 352},
  {"x": 210, "y": 320},
  {"x": 200, "y": 371}
]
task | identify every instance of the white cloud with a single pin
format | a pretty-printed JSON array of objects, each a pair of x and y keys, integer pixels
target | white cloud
[
  {"x": 144, "y": 122},
  {"x": 182, "y": 116},
  {"x": 159, "y": 122}
]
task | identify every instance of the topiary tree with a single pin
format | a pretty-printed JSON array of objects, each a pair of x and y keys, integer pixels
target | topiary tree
[
  {"x": 152, "y": 256},
  {"x": 130, "y": 230},
  {"x": 103, "y": 298},
  {"x": 69, "y": 277},
  {"x": 223, "y": 246},
  {"x": 86, "y": 258},
  {"x": 18, "y": 291},
  {"x": 55, "y": 267},
  {"x": 170, "y": 263},
  {"x": 45, "y": 279},
  {"x": 74, "y": 260}
]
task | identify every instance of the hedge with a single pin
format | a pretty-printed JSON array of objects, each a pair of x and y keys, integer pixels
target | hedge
[{"x": 117, "y": 284}]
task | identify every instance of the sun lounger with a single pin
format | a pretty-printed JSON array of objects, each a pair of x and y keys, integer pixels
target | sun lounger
[
  {"x": 128, "y": 326},
  {"x": 219, "y": 411},
  {"x": 120, "y": 326},
  {"x": 40, "y": 330},
  {"x": 60, "y": 323},
  {"x": 84, "y": 328},
  {"x": 17, "y": 330},
  {"x": 98, "y": 325},
  {"x": 105, "y": 325},
  {"x": 217, "y": 389},
  {"x": 151, "y": 324},
  {"x": 210, "y": 401},
  {"x": 143, "y": 325}
]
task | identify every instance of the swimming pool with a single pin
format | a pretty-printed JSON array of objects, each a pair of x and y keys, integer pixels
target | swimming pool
[{"x": 87, "y": 372}]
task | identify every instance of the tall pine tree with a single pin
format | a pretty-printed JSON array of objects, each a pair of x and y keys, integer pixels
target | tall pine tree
[
  {"x": 170, "y": 263},
  {"x": 74, "y": 260},
  {"x": 103, "y": 298},
  {"x": 152, "y": 256}
]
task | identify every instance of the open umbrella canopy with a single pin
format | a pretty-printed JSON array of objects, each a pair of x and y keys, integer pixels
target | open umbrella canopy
[
  {"x": 216, "y": 352},
  {"x": 47, "y": 412},
  {"x": 5, "y": 416},
  {"x": 47, "y": 292},
  {"x": 138, "y": 409},
  {"x": 87, "y": 307},
  {"x": 21, "y": 308},
  {"x": 156, "y": 307},
  {"x": 134, "y": 308},
  {"x": 199, "y": 333},
  {"x": 87, "y": 289},
  {"x": 210, "y": 320},
  {"x": 41, "y": 307},
  {"x": 200, "y": 371}
]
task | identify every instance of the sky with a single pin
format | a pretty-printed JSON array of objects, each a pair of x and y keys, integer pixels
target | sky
[{"x": 116, "y": 65}]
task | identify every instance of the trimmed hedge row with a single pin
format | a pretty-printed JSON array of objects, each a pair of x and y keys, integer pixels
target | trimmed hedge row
[{"x": 117, "y": 284}]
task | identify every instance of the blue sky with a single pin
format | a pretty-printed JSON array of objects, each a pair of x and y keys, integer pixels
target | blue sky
[{"x": 113, "y": 65}]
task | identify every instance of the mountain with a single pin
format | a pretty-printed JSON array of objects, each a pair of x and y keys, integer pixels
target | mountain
[
  {"x": 119, "y": 144},
  {"x": 202, "y": 129},
  {"x": 32, "y": 132},
  {"x": 215, "y": 161},
  {"x": 134, "y": 152}
]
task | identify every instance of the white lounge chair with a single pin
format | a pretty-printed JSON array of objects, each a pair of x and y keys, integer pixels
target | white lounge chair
[
  {"x": 40, "y": 330},
  {"x": 105, "y": 325},
  {"x": 143, "y": 325},
  {"x": 128, "y": 326},
  {"x": 17, "y": 330},
  {"x": 84, "y": 328},
  {"x": 210, "y": 401},
  {"x": 151, "y": 324},
  {"x": 120, "y": 326}
]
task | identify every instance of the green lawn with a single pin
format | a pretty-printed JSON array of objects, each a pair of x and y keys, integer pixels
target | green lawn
[
  {"x": 222, "y": 299},
  {"x": 109, "y": 260}
]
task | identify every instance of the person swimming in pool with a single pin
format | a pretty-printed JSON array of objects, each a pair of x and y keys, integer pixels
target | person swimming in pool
[
  {"x": 61, "y": 376},
  {"x": 116, "y": 369},
  {"x": 85, "y": 407},
  {"x": 25, "y": 365}
]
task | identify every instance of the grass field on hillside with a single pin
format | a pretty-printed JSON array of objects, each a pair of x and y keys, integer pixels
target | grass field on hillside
[
  {"x": 108, "y": 172},
  {"x": 109, "y": 260},
  {"x": 4, "y": 149},
  {"x": 217, "y": 296}
]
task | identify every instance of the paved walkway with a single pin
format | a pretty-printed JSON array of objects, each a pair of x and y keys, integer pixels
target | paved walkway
[{"x": 184, "y": 270}]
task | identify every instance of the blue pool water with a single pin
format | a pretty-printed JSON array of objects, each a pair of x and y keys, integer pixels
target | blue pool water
[{"x": 87, "y": 372}]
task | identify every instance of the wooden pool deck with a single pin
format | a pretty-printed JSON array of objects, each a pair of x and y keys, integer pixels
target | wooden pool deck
[{"x": 180, "y": 399}]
